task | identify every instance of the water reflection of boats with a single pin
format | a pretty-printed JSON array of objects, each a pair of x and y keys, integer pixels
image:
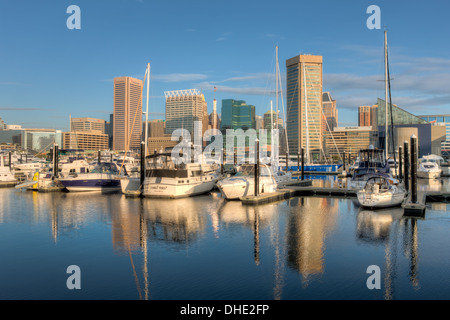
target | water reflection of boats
[
  {"x": 375, "y": 226},
  {"x": 233, "y": 212},
  {"x": 180, "y": 220},
  {"x": 434, "y": 185}
]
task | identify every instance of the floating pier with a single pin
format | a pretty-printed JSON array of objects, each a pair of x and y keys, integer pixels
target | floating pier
[
  {"x": 269, "y": 197},
  {"x": 132, "y": 193},
  {"x": 50, "y": 189},
  {"x": 310, "y": 190}
]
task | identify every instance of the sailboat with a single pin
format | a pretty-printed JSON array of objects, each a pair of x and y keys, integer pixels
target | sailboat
[{"x": 381, "y": 191}]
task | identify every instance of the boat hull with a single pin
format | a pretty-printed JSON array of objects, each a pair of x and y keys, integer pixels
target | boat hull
[
  {"x": 236, "y": 187},
  {"x": 380, "y": 200},
  {"x": 174, "y": 188},
  {"x": 92, "y": 185},
  {"x": 428, "y": 174}
]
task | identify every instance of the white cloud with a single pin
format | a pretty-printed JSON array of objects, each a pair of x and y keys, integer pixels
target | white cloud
[{"x": 179, "y": 77}]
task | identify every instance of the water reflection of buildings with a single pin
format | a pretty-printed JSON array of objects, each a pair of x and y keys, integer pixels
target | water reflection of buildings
[
  {"x": 310, "y": 221},
  {"x": 383, "y": 227},
  {"x": 65, "y": 212},
  {"x": 174, "y": 221},
  {"x": 253, "y": 217}
]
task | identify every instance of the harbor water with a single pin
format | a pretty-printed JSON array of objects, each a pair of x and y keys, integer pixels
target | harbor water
[{"x": 207, "y": 248}]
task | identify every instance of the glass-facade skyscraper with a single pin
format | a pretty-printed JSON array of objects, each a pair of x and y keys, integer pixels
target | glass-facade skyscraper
[{"x": 237, "y": 114}]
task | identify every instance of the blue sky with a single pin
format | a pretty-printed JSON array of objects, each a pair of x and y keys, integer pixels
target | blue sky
[{"x": 48, "y": 72}]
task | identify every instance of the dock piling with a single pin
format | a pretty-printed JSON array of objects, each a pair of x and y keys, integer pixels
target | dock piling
[
  {"x": 142, "y": 163},
  {"x": 257, "y": 168},
  {"x": 400, "y": 163},
  {"x": 343, "y": 162},
  {"x": 303, "y": 164},
  {"x": 406, "y": 164},
  {"x": 414, "y": 169}
]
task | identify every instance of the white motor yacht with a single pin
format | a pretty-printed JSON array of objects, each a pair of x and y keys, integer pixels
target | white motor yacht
[
  {"x": 7, "y": 179},
  {"x": 429, "y": 167},
  {"x": 169, "y": 180},
  {"x": 243, "y": 182}
]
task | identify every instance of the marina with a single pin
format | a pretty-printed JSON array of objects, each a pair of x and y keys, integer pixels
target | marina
[
  {"x": 163, "y": 151},
  {"x": 305, "y": 244}
]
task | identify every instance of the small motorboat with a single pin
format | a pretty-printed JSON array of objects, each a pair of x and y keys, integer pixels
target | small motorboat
[{"x": 429, "y": 167}]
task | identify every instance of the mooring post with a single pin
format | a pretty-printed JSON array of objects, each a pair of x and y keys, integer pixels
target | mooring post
[
  {"x": 56, "y": 161},
  {"x": 414, "y": 168},
  {"x": 343, "y": 160},
  {"x": 406, "y": 164},
  {"x": 287, "y": 161},
  {"x": 142, "y": 164},
  {"x": 9, "y": 156},
  {"x": 222, "y": 162},
  {"x": 257, "y": 169},
  {"x": 154, "y": 158},
  {"x": 400, "y": 164},
  {"x": 298, "y": 165},
  {"x": 303, "y": 164},
  {"x": 99, "y": 155}
]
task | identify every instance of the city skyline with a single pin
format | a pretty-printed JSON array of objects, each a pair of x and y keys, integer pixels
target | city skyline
[{"x": 50, "y": 72}]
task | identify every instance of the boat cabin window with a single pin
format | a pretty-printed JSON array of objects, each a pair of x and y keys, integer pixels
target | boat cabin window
[{"x": 105, "y": 168}]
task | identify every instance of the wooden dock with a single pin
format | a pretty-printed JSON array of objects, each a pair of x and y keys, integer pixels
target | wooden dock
[
  {"x": 50, "y": 189},
  {"x": 132, "y": 193},
  {"x": 415, "y": 209},
  {"x": 281, "y": 194},
  {"x": 310, "y": 190}
]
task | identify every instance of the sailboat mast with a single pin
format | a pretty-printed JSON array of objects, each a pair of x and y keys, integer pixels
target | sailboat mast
[
  {"x": 276, "y": 71},
  {"x": 146, "y": 111},
  {"x": 386, "y": 142}
]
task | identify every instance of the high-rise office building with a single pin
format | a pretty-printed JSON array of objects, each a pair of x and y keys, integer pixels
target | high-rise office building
[
  {"x": 156, "y": 128},
  {"x": 367, "y": 116},
  {"x": 304, "y": 105},
  {"x": 2, "y": 124},
  {"x": 87, "y": 124},
  {"x": 330, "y": 113},
  {"x": 237, "y": 114},
  {"x": 87, "y": 134},
  {"x": 185, "y": 109},
  {"x": 127, "y": 120}
]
